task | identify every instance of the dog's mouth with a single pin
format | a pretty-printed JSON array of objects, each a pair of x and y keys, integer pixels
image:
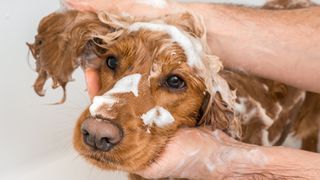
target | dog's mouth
[
  {"x": 100, "y": 158},
  {"x": 135, "y": 151}
]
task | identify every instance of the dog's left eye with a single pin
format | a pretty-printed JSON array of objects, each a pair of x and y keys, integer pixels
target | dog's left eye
[
  {"x": 175, "y": 82},
  {"x": 112, "y": 62}
]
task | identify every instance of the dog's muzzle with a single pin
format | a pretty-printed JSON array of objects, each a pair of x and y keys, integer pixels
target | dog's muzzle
[{"x": 100, "y": 134}]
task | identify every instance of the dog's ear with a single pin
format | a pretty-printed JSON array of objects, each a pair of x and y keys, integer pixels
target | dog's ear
[
  {"x": 217, "y": 114},
  {"x": 61, "y": 45},
  {"x": 188, "y": 22}
]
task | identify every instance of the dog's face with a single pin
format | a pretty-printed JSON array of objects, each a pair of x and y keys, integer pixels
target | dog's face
[
  {"x": 148, "y": 91},
  {"x": 155, "y": 78}
]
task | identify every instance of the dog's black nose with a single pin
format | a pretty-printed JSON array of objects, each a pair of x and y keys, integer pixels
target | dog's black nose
[{"x": 100, "y": 134}]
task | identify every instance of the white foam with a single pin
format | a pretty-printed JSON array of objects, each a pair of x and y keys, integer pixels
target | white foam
[
  {"x": 99, "y": 101},
  {"x": 210, "y": 165},
  {"x": 154, "y": 3},
  {"x": 265, "y": 137},
  {"x": 127, "y": 84},
  {"x": 241, "y": 106},
  {"x": 264, "y": 117},
  {"x": 278, "y": 111},
  {"x": 292, "y": 141},
  {"x": 252, "y": 156},
  {"x": 157, "y": 115},
  {"x": 191, "y": 46}
]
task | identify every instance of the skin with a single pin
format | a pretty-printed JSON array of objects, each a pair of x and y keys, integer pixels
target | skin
[{"x": 278, "y": 46}]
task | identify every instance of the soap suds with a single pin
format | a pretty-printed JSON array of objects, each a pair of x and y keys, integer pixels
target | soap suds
[
  {"x": 191, "y": 47},
  {"x": 241, "y": 106},
  {"x": 154, "y": 3},
  {"x": 99, "y": 101},
  {"x": 157, "y": 115},
  {"x": 292, "y": 141},
  {"x": 265, "y": 137},
  {"x": 127, "y": 84},
  {"x": 253, "y": 156}
]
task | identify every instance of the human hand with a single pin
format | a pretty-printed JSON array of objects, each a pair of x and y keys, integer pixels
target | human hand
[
  {"x": 131, "y": 7},
  {"x": 92, "y": 81},
  {"x": 198, "y": 153}
]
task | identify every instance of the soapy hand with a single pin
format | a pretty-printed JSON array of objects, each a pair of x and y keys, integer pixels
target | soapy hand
[
  {"x": 198, "y": 153},
  {"x": 130, "y": 7}
]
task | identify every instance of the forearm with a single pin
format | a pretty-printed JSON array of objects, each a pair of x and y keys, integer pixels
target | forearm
[
  {"x": 235, "y": 160},
  {"x": 282, "y": 163},
  {"x": 279, "y": 45}
]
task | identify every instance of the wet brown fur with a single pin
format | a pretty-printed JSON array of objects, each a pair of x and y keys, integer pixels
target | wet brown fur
[{"x": 69, "y": 39}]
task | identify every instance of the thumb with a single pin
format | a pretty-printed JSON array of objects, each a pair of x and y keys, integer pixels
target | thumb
[{"x": 92, "y": 81}]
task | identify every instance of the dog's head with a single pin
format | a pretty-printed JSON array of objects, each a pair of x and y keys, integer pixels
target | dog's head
[{"x": 156, "y": 76}]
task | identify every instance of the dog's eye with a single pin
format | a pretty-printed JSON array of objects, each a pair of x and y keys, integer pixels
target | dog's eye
[
  {"x": 175, "y": 82},
  {"x": 112, "y": 62}
]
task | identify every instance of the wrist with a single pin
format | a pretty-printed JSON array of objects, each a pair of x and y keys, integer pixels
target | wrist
[{"x": 218, "y": 156}]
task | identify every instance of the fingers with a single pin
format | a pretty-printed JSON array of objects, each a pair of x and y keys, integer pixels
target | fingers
[
  {"x": 80, "y": 5},
  {"x": 93, "y": 82}
]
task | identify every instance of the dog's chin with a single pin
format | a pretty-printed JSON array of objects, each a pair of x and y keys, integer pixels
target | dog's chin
[
  {"x": 103, "y": 162},
  {"x": 115, "y": 160}
]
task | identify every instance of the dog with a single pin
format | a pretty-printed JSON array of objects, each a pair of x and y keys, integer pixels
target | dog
[{"x": 157, "y": 75}]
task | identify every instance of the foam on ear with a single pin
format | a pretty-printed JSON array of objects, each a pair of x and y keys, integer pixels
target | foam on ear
[
  {"x": 188, "y": 22},
  {"x": 217, "y": 108}
]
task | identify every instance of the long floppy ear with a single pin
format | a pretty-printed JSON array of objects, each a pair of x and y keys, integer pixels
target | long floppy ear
[
  {"x": 61, "y": 45},
  {"x": 217, "y": 108},
  {"x": 188, "y": 22},
  {"x": 217, "y": 114}
]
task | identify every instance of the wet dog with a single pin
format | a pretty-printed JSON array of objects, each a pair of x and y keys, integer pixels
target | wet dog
[{"x": 157, "y": 76}]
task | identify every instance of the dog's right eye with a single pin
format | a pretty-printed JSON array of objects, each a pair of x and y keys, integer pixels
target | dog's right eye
[
  {"x": 112, "y": 62},
  {"x": 175, "y": 82}
]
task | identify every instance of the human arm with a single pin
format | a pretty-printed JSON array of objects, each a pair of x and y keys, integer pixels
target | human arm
[
  {"x": 278, "y": 45},
  {"x": 200, "y": 154}
]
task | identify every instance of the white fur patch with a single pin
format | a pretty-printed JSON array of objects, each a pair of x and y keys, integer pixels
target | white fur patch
[
  {"x": 157, "y": 115},
  {"x": 154, "y": 3},
  {"x": 192, "y": 47},
  {"x": 127, "y": 84}
]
